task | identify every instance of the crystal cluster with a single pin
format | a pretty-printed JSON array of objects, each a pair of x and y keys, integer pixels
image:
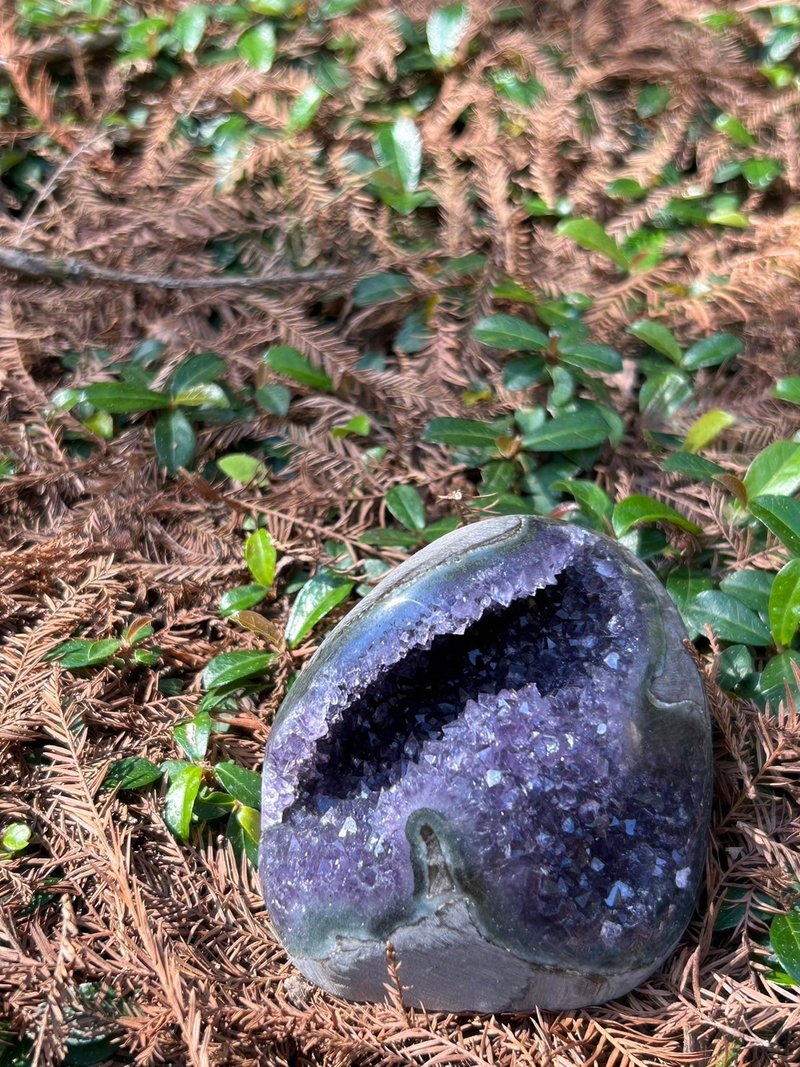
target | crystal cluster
[{"x": 500, "y": 762}]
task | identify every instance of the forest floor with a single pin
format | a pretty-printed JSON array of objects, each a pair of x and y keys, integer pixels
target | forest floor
[{"x": 286, "y": 291}]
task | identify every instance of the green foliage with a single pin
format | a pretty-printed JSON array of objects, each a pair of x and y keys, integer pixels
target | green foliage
[{"x": 319, "y": 596}]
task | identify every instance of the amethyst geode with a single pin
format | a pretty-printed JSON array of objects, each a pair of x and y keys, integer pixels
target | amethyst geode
[{"x": 500, "y": 761}]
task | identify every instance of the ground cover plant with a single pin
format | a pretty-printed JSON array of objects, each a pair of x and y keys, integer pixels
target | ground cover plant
[{"x": 288, "y": 291}]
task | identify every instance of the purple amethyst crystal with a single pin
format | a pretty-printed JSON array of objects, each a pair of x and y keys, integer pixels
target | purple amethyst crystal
[{"x": 500, "y": 761}]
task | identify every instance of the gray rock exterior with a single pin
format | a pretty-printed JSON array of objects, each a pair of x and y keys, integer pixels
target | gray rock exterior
[{"x": 500, "y": 761}]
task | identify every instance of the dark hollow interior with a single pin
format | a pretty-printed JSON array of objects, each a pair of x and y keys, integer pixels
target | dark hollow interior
[{"x": 553, "y": 638}]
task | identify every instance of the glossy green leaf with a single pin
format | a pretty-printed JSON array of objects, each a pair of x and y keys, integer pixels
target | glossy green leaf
[
  {"x": 381, "y": 288},
  {"x": 703, "y": 430},
  {"x": 731, "y": 620},
  {"x": 244, "y": 468},
  {"x": 16, "y": 837},
  {"x": 189, "y": 27},
  {"x": 390, "y": 539},
  {"x": 752, "y": 587},
  {"x": 192, "y": 736},
  {"x": 735, "y": 129},
  {"x": 196, "y": 370},
  {"x": 243, "y": 832},
  {"x": 78, "y": 653},
  {"x": 658, "y": 337},
  {"x": 258, "y": 46},
  {"x": 213, "y": 804},
  {"x": 524, "y": 372},
  {"x": 439, "y": 528},
  {"x": 131, "y": 773},
  {"x": 124, "y": 398},
  {"x": 174, "y": 440},
  {"x": 358, "y": 425},
  {"x": 775, "y": 470},
  {"x": 779, "y": 680},
  {"x": 761, "y": 173},
  {"x": 261, "y": 556},
  {"x": 590, "y": 357},
  {"x": 230, "y": 667},
  {"x": 785, "y": 389},
  {"x": 734, "y": 666},
  {"x": 637, "y": 509},
  {"x": 784, "y": 936},
  {"x": 684, "y": 586},
  {"x": 651, "y": 100},
  {"x": 576, "y": 429},
  {"x": 445, "y": 30},
  {"x": 204, "y": 395},
  {"x": 784, "y": 604},
  {"x": 275, "y": 398},
  {"x": 462, "y": 433},
  {"x": 594, "y": 501},
  {"x": 711, "y": 351},
  {"x": 288, "y": 361},
  {"x": 405, "y": 504},
  {"x": 781, "y": 515},
  {"x": 243, "y": 785},
  {"x": 590, "y": 235},
  {"x": 691, "y": 466},
  {"x": 179, "y": 801},
  {"x": 664, "y": 394},
  {"x": 304, "y": 109},
  {"x": 320, "y": 595},
  {"x": 509, "y": 333},
  {"x": 407, "y": 145}
]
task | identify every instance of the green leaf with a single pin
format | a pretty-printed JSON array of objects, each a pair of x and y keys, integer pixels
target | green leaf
[
  {"x": 192, "y": 736},
  {"x": 241, "y": 598},
  {"x": 590, "y": 235},
  {"x": 275, "y": 398},
  {"x": 652, "y": 100},
  {"x": 775, "y": 470},
  {"x": 589, "y": 357},
  {"x": 784, "y": 936},
  {"x": 288, "y": 361},
  {"x": 576, "y": 429},
  {"x": 257, "y": 47},
  {"x": 684, "y": 586},
  {"x": 407, "y": 145},
  {"x": 174, "y": 440},
  {"x": 734, "y": 666},
  {"x": 781, "y": 515},
  {"x": 691, "y": 466},
  {"x": 405, "y": 503},
  {"x": 78, "y": 653},
  {"x": 320, "y": 595},
  {"x": 381, "y": 288},
  {"x": 358, "y": 425},
  {"x": 304, "y": 109},
  {"x": 179, "y": 801},
  {"x": 462, "y": 433},
  {"x": 711, "y": 351},
  {"x": 636, "y": 509},
  {"x": 524, "y": 372},
  {"x": 196, "y": 370},
  {"x": 189, "y": 27},
  {"x": 662, "y": 395},
  {"x": 230, "y": 667},
  {"x": 204, "y": 395},
  {"x": 243, "y": 785},
  {"x": 390, "y": 539},
  {"x": 594, "y": 501},
  {"x": 658, "y": 337},
  {"x": 16, "y": 837},
  {"x": 752, "y": 587},
  {"x": 124, "y": 398},
  {"x": 784, "y": 604},
  {"x": 733, "y": 128},
  {"x": 510, "y": 334},
  {"x": 445, "y": 30},
  {"x": 243, "y": 832},
  {"x": 731, "y": 620},
  {"x": 260, "y": 555},
  {"x": 243, "y": 468},
  {"x": 778, "y": 679},
  {"x": 131, "y": 773},
  {"x": 213, "y": 805},
  {"x": 785, "y": 389},
  {"x": 439, "y": 528},
  {"x": 703, "y": 430}
]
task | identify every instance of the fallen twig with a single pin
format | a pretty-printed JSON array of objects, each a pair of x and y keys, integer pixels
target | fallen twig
[{"x": 71, "y": 270}]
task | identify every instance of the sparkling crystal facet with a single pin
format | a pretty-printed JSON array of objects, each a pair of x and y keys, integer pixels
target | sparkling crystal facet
[{"x": 500, "y": 762}]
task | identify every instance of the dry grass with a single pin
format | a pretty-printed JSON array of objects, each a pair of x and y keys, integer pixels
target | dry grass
[{"x": 179, "y": 932}]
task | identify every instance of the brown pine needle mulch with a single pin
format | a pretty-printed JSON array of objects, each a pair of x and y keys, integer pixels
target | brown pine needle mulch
[{"x": 175, "y": 937}]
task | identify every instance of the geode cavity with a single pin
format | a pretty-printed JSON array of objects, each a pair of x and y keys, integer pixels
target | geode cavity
[{"x": 500, "y": 761}]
